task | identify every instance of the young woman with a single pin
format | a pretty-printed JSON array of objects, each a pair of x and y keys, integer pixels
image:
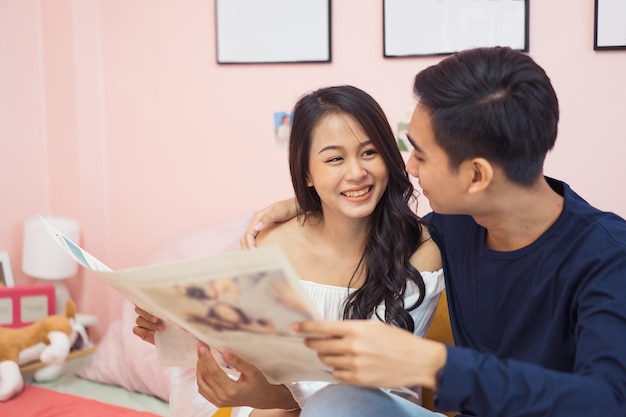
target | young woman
[{"x": 356, "y": 243}]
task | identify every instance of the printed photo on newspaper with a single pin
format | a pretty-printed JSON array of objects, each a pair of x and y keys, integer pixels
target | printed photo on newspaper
[{"x": 244, "y": 302}]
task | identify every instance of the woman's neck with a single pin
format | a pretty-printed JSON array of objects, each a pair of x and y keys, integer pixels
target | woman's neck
[
  {"x": 338, "y": 246},
  {"x": 345, "y": 235}
]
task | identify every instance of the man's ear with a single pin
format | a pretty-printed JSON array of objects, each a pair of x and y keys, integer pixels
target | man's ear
[{"x": 482, "y": 174}]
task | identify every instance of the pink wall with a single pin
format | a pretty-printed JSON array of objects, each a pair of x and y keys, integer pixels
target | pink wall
[{"x": 116, "y": 113}]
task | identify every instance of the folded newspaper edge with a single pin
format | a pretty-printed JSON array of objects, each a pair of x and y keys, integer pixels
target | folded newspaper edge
[{"x": 244, "y": 301}]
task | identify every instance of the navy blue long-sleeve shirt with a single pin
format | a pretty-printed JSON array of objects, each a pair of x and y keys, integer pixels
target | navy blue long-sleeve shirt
[{"x": 539, "y": 331}]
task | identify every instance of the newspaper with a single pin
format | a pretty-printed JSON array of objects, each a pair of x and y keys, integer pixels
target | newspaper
[{"x": 244, "y": 302}]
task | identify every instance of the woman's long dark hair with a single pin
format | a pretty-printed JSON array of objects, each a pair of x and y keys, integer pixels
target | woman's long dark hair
[{"x": 394, "y": 230}]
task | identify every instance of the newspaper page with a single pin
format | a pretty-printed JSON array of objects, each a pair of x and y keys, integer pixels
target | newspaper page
[{"x": 244, "y": 302}]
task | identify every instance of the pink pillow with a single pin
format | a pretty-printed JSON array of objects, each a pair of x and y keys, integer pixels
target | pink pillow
[{"x": 123, "y": 359}]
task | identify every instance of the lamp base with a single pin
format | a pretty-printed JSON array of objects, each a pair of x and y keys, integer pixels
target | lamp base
[{"x": 61, "y": 295}]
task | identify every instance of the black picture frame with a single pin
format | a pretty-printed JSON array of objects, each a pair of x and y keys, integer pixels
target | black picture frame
[
  {"x": 609, "y": 31},
  {"x": 431, "y": 27},
  {"x": 272, "y": 31},
  {"x": 6, "y": 273}
]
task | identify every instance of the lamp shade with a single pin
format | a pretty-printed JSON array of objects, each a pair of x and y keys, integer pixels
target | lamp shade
[{"x": 42, "y": 256}]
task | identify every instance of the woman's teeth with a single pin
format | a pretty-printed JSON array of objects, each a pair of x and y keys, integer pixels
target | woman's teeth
[{"x": 358, "y": 193}]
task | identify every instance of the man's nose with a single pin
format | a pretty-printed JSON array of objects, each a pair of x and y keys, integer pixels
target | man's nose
[{"x": 412, "y": 165}]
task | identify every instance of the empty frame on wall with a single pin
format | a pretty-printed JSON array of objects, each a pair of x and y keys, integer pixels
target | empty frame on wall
[
  {"x": 272, "y": 31},
  {"x": 434, "y": 27},
  {"x": 610, "y": 25}
]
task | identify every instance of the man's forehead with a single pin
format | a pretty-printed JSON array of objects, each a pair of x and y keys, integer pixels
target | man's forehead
[{"x": 419, "y": 125}]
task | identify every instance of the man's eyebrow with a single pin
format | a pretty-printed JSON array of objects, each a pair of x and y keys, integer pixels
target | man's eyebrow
[{"x": 412, "y": 142}]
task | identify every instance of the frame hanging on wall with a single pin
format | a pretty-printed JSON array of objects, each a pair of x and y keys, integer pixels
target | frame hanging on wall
[
  {"x": 272, "y": 31},
  {"x": 6, "y": 273},
  {"x": 610, "y": 25},
  {"x": 433, "y": 27}
]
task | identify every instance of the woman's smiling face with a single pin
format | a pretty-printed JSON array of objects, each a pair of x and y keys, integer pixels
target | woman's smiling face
[{"x": 348, "y": 173}]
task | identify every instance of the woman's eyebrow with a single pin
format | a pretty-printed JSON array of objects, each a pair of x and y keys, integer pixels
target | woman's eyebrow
[
  {"x": 335, "y": 147},
  {"x": 329, "y": 148}
]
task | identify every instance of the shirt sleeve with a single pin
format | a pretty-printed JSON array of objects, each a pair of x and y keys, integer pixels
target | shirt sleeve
[{"x": 484, "y": 384}]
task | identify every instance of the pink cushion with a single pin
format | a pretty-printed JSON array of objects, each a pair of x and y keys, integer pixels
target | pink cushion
[
  {"x": 122, "y": 358},
  {"x": 42, "y": 402}
]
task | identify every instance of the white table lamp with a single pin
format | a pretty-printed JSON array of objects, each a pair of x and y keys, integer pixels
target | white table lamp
[{"x": 45, "y": 260}]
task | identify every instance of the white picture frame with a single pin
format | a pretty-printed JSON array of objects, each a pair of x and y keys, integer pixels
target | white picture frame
[
  {"x": 272, "y": 31},
  {"x": 6, "y": 273},
  {"x": 432, "y": 27},
  {"x": 609, "y": 25}
]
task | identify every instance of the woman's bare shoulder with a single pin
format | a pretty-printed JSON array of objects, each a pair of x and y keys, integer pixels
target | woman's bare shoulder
[
  {"x": 277, "y": 233},
  {"x": 427, "y": 257}
]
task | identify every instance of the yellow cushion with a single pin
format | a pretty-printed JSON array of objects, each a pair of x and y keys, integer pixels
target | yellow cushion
[
  {"x": 223, "y": 412},
  {"x": 440, "y": 330}
]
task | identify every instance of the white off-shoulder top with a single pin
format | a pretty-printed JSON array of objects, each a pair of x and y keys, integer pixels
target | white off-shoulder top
[{"x": 330, "y": 301}]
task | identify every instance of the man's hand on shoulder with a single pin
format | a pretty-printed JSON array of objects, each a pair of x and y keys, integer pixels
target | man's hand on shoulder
[{"x": 277, "y": 212}]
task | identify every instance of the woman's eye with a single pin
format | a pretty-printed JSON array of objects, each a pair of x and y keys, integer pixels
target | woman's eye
[
  {"x": 335, "y": 159},
  {"x": 370, "y": 152}
]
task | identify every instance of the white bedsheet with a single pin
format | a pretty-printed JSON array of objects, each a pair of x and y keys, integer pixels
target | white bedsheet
[{"x": 108, "y": 394}]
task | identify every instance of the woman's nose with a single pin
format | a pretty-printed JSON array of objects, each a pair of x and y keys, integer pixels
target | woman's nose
[{"x": 356, "y": 171}]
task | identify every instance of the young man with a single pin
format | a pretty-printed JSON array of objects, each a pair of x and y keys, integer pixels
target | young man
[{"x": 535, "y": 276}]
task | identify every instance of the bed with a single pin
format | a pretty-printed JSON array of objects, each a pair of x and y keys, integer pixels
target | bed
[
  {"x": 122, "y": 375},
  {"x": 72, "y": 395}
]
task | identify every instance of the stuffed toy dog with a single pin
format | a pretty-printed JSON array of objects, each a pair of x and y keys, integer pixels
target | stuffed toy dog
[{"x": 48, "y": 340}]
